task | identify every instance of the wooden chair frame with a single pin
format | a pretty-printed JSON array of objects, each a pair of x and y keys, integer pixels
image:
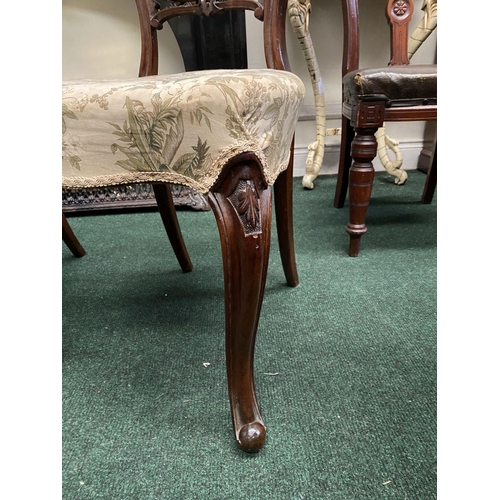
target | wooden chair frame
[
  {"x": 361, "y": 121},
  {"x": 245, "y": 244}
]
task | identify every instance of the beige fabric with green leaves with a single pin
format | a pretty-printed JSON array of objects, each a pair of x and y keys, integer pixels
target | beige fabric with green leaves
[{"x": 179, "y": 128}]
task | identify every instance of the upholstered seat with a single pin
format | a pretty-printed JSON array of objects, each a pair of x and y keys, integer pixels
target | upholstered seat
[
  {"x": 414, "y": 85},
  {"x": 125, "y": 131}
]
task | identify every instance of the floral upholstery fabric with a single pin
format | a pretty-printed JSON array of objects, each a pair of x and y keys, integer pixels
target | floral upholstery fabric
[{"x": 178, "y": 128}]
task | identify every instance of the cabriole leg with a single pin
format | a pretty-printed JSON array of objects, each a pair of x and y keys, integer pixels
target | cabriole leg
[
  {"x": 242, "y": 206},
  {"x": 165, "y": 202},
  {"x": 283, "y": 201}
]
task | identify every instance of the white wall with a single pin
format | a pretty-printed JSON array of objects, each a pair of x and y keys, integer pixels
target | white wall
[{"x": 101, "y": 39}]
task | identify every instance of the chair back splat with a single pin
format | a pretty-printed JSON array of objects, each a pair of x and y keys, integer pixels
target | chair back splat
[
  {"x": 371, "y": 96},
  {"x": 154, "y": 13},
  {"x": 399, "y": 15},
  {"x": 225, "y": 133}
]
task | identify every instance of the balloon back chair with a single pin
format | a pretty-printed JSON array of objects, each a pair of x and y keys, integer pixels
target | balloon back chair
[
  {"x": 371, "y": 96},
  {"x": 224, "y": 133}
]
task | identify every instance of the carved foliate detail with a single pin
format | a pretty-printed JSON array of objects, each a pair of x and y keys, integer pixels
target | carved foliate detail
[
  {"x": 203, "y": 7},
  {"x": 209, "y": 7},
  {"x": 399, "y": 12},
  {"x": 245, "y": 201},
  {"x": 400, "y": 8}
]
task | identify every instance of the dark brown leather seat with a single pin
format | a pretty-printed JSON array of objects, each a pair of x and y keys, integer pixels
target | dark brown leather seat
[{"x": 414, "y": 85}]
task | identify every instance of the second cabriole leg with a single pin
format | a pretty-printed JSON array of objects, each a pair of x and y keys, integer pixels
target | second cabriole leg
[
  {"x": 165, "y": 202},
  {"x": 283, "y": 201}
]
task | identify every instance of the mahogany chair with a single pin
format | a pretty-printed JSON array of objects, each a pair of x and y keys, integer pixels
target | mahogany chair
[
  {"x": 371, "y": 96},
  {"x": 224, "y": 133}
]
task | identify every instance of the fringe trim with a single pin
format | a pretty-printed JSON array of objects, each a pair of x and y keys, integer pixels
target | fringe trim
[{"x": 201, "y": 186}]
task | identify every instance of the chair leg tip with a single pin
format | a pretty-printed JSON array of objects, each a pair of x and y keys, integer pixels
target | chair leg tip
[
  {"x": 251, "y": 437},
  {"x": 187, "y": 268},
  {"x": 354, "y": 245}
]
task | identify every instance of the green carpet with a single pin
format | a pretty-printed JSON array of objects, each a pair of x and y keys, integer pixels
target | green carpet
[{"x": 345, "y": 363}]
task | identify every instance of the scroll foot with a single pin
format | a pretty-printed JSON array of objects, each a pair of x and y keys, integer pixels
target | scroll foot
[{"x": 251, "y": 437}]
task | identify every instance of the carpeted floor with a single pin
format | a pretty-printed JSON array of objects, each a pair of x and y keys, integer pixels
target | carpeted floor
[{"x": 345, "y": 363}]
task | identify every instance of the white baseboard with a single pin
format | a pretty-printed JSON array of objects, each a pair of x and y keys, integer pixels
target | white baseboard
[{"x": 411, "y": 151}]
